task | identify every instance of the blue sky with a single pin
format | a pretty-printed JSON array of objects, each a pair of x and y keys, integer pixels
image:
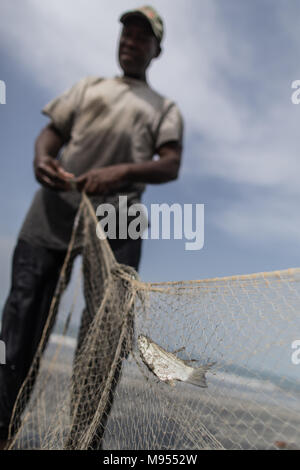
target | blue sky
[{"x": 229, "y": 65}]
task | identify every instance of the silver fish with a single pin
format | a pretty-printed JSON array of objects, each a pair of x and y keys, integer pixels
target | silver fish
[{"x": 167, "y": 367}]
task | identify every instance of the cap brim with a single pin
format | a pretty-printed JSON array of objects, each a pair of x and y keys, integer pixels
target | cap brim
[
  {"x": 139, "y": 14},
  {"x": 133, "y": 13}
]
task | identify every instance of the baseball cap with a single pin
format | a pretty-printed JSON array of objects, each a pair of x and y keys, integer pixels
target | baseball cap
[{"x": 151, "y": 15}]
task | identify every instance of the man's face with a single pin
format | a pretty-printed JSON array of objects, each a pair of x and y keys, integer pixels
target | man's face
[{"x": 137, "y": 47}]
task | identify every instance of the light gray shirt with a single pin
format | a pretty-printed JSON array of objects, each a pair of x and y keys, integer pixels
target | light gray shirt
[{"x": 105, "y": 122}]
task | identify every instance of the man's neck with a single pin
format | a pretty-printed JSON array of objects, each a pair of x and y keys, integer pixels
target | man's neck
[{"x": 141, "y": 77}]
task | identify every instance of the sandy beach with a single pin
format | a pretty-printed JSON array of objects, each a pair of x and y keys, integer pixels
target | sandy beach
[{"x": 151, "y": 415}]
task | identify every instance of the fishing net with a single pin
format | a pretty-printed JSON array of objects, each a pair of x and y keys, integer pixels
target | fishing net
[{"x": 90, "y": 388}]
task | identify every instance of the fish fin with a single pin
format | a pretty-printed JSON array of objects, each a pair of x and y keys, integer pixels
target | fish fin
[{"x": 197, "y": 376}]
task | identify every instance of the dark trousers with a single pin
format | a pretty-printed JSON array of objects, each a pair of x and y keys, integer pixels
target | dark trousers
[{"x": 35, "y": 272}]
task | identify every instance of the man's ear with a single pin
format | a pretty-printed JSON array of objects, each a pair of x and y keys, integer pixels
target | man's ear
[{"x": 158, "y": 51}]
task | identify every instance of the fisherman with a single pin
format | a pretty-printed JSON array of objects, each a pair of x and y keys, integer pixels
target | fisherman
[{"x": 103, "y": 135}]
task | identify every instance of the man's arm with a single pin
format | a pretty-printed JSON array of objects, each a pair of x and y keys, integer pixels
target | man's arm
[
  {"x": 47, "y": 169},
  {"x": 111, "y": 178},
  {"x": 157, "y": 171}
]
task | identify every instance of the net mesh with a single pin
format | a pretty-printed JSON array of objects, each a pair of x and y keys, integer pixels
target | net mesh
[{"x": 91, "y": 389}]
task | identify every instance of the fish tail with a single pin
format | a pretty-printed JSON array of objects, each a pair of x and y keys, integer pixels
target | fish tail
[{"x": 197, "y": 376}]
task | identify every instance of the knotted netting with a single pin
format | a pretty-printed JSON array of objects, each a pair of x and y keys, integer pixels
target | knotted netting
[{"x": 90, "y": 388}]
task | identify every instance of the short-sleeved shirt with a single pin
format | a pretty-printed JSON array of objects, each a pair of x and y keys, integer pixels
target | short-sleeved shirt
[{"x": 105, "y": 121}]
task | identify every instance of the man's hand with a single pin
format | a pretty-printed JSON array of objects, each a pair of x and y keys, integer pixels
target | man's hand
[
  {"x": 103, "y": 180},
  {"x": 50, "y": 173}
]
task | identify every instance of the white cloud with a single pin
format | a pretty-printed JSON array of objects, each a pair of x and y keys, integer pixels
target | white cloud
[{"x": 262, "y": 219}]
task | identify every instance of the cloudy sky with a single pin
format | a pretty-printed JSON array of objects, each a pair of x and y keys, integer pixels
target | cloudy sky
[{"x": 229, "y": 64}]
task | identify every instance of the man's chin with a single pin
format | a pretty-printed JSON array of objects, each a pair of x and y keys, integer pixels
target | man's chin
[{"x": 128, "y": 68}]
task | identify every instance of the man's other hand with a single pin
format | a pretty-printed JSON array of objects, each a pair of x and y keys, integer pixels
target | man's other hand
[
  {"x": 50, "y": 173},
  {"x": 103, "y": 180}
]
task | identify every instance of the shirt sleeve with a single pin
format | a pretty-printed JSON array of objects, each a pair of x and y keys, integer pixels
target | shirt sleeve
[
  {"x": 171, "y": 126},
  {"x": 62, "y": 109}
]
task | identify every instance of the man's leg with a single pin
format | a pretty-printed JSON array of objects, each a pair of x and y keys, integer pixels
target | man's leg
[
  {"x": 35, "y": 272},
  {"x": 127, "y": 252}
]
